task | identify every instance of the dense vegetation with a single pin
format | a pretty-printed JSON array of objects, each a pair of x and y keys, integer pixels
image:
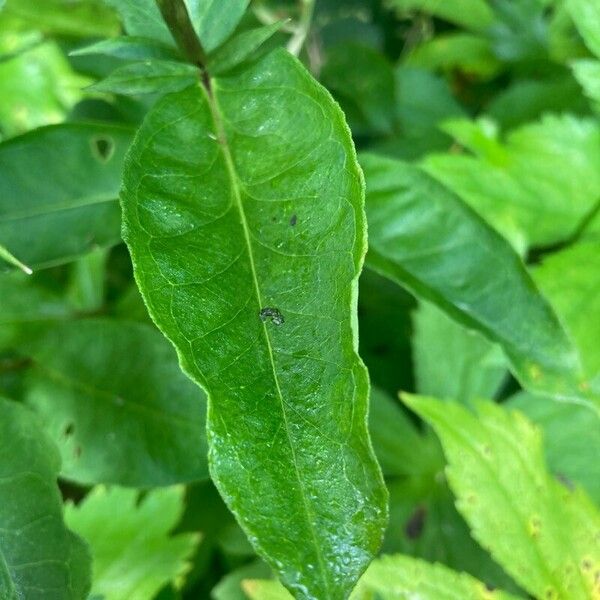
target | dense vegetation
[{"x": 203, "y": 393}]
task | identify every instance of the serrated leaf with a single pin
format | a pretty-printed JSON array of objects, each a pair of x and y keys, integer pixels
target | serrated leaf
[
  {"x": 227, "y": 263},
  {"x": 399, "y": 577},
  {"x": 236, "y": 50},
  {"x": 149, "y": 77},
  {"x": 543, "y": 534},
  {"x": 40, "y": 559},
  {"x": 113, "y": 398},
  {"x": 58, "y": 179},
  {"x": 586, "y": 14},
  {"x": 544, "y": 175},
  {"x": 215, "y": 20},
  {"x": 128, "y": 48},
  {"x": 572, "y": 439},
  {"x": 424, "y": 238},
  {"x": 133, "y": 554},
  {"x": 587, "y": 73},
  {"x": 452, "y": 361}
]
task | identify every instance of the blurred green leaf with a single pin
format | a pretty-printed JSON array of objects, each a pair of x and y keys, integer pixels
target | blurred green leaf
[
  {"x": 58, "y": 191},
  {"x": 133, "y": 554},
  {"x": 587, "y": 73},
  {"x": 452, "y": 361},
  {"x": 586, "y": 14},
  {"x": 230, "y": 587},
  {"x": 106, "y": 391},
  {"x": 541, "y": 532},
  {"x": 41, "y": 558}
]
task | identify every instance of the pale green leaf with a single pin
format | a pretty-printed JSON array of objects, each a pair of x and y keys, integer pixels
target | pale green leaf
[
  {"x": 265, "y": 589},
  {"x": 452, "y": 361},
  {"x": 398, "y": 577},
  {"x": 58, "y": 180},
  {"x": 586, "y": 14},
  {"x": 471, "y": 14},
  {"x": 570, "y": 279},
  {"x": 572, "y": 439},
  {"x": 424, "y": 238},
  {"x": 113, "y": 398},
  {"x": 230, "y": 587},
  {"x": 544, "y": 534},
  {"x": 243, "y": 213},
  {"x": 40, "y": 559},
  {"x": 149, "y": 77},
  {"x": 215, "y": 20},
  {"x": 133, "y": 554},
  {"x": 587, "y": 73},
  {"x": 546, "y": 175},
  {"x": 239, "y": 48}
]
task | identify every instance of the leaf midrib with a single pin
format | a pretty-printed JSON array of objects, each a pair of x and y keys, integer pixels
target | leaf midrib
[{"x": 218, "y": 121}]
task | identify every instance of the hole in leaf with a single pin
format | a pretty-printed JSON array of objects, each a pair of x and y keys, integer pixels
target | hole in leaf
[{"x": 103, "y": 148}]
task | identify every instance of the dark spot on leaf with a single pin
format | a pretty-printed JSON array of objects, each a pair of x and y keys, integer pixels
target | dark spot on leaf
[
  {"x": 565, "y": 481},
  {"x": 273, "y": 219},
  {"x": 293, "y": 220},
  {"x": 102, "y": 148},
  {"x": 415, "y": 524},
  {"x": 274, "y": 314},
  {"x": 586, "y": 564},
  {"x": 77, "y": 451},
  {"x": 69, "y": 429}
]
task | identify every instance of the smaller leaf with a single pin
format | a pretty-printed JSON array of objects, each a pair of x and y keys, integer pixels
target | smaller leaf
[
  {"x": 142, "y": 18},
  {"x": 545, "y": 535},
  {"x": 148, "y": 77},
  {"x": 587, "y": 73},
  {"x": 133, "y": 554},
  {"x": 129, "y": 48},
  {"x": 265, "y": 589},
  {"x": 230, "y": 587},
  {"x": 398, "y": 577},
  {"x": 586, "y": 14},
  {"x": 239, "y": 48}
]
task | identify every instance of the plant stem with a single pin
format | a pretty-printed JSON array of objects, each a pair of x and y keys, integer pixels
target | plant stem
[
  {"x": 178, "y": 21},
  {"x": 297, "y": 40}
]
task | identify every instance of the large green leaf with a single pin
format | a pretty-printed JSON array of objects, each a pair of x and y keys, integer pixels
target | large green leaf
[
  {"x": 58, "y": 191},
  {"x": 40, "y": 559},
  {"x": 543, "y": 533},
  {"x": 133, "y": 554},
  {"x": 452, "y": 361},
  {"x": 114, "y": 400},
  {"x": 423, "y": 237},
  {"x": 586, "y": 14},
  {"x": 243, "y": 214}
]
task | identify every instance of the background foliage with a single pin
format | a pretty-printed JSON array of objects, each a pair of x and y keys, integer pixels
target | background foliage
[{"x": 477, "y": 130}]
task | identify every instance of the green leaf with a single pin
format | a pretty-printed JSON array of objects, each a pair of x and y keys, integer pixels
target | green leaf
[
  {"x": 400, "y": 577},
  {"x": 39, "y": 557},
  {"x": 570, "y": 279},
  {"x": 586, "y": 15},
  {"x": 587, "y": 73},
  {"x": 471, "y": 14},
  {"x": 142, "y": 18},
  {"x": 241, "y": 47},
  {"x": 243, "y": 215},
  {"x": 452, "y": 361},
  {"x": 149, "y": 77},
  {"x": 545, "y": 175},
  {"x": 128, "y": 48},
  {"x": 214, "y": 20},
  {"x": 264, "y": 589},
  {"x": 541, "y": 532},
  {"x": 133, "y": 554},
  {"x": 58, "y": 180},
  {"x": 572, "y": 439},
  {"x": 230, "y": 587},
  {"x": 424, "y": 238},
  {"x": 105, "y": 391}
]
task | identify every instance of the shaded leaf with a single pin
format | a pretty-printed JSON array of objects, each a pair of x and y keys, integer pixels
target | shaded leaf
[
  {"x": 128, "y": 48},
  {"x": 133, "y": 554},
  {"x": 61, "y": 179},
  {"x": 227, "y": 263},
  {"x": 113, "y": 398},
  {"x": 39, "y": 557},
  {"x": 543, "y": 534},
  {"x": 424, "y": 238}
]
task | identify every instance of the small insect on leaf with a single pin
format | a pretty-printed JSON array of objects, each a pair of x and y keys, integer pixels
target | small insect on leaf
[{"x": 274, "y": 314}]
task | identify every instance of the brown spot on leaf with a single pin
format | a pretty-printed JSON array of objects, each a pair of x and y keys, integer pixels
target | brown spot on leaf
[{"x": 416, "y": 523}]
